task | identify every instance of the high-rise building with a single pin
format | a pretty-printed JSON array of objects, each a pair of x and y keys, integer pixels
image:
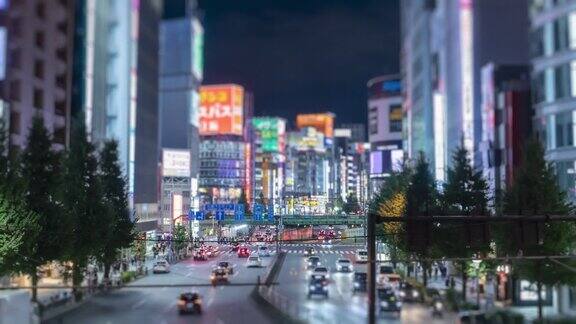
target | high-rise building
[
  {"x": 116, "y": 78},
  {"x": 225, "y": 146},
  {"x": 269, "y": 145},
  {"x": 181, "y": 70},
  {"x": 36, "y": 66},
  {"x": 445, "y": 43},
  {"x": 553, "y": 24},
  {"x": 357, "y": 131},
  {"x": 384, "y": 128},
  {"x": 506, "y": 122}
]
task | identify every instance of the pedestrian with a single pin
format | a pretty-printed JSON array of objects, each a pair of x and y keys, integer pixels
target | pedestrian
[{"x": 435, "y": 272}]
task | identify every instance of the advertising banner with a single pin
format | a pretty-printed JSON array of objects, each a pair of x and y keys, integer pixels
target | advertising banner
[
  {"x": 271, "y": 132},
  {"x": 324, "y": 123},
  {"x": 175, "y": 163},
  {"x": 221, "y": 110}
]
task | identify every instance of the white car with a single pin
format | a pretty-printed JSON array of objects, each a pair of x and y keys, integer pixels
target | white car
[
  {"x": 263, "y": 251},
  {"x": 254, "y": 261},
  {"x": 361, "y": 256},
  {"x": 344, "y": 265},
  {"x": 321, "y": 271},
  {"x": 161, "y": 266}
]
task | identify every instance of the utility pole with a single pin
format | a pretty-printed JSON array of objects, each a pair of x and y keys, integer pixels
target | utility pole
[{"x": 371, "y": 273}]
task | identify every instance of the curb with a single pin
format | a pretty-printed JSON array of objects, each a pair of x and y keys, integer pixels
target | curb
[{"x": 66, "y": 308}]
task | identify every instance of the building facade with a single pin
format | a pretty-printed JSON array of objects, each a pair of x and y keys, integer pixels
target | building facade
[
  {"x": 553, "y": 25},
  {"x": 36, "y": 40},
  {"x": 269, "y": 145},
  {"x": 226, "y": 155},
  {"x": 116, "y": 82},
  {"x": 445, "y": 44},
  {"x": 181, "y": 71},
  {"x": 385, "y": 122},
  {"x": 506, "y": 123}
]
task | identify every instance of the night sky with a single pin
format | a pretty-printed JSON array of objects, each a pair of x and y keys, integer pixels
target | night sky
[{"x": 302, "y": 55}]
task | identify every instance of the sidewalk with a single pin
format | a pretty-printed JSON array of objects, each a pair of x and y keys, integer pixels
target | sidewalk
[{"x": 57, "y": 301}]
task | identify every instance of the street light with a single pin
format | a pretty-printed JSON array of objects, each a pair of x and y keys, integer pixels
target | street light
[{"x": 477, "y": 268}]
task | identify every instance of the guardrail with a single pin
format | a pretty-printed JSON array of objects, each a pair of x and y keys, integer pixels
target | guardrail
[{"x": 295, "y": 219}]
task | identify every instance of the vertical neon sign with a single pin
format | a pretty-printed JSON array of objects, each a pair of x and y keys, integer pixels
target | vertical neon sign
[{"x": 467, "y": 70}]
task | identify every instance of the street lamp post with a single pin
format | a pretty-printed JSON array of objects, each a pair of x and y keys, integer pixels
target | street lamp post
[{"x": 477, "y": 268}]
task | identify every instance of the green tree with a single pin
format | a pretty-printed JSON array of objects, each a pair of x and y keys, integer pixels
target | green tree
[
  {"x": 18, "y": 231},
  {"x": 351, "y": 206},
  {"x": 180, "y": 238},
  {"x": 82, "y": 203},
  {"x": 422, "y": 200},
  {"x": 465, "y": 193},
  {"x": 40, "y": 174},
  {"x": 119, "y": 231},
  {"x": 535, "y": 191}
]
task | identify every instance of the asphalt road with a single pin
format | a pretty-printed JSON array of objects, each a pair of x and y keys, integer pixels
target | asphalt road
[
  {"x": 221, "y": 304},
  {"x": 342, "y": 306}
]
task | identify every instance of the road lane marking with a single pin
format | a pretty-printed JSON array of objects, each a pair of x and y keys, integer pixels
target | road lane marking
[{"x": 138, "y": 304}]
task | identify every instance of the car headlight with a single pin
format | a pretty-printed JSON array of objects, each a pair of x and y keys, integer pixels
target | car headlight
[
  {"x": 415, "y": 294},
  {"x": 356, "y": 284},
  {"x": 398, "y": 304},
  {"x": 438, "y": 305},
  {"x": 384, "y": 303},
  {"x": 324, "y": 288},
  {"x": 309, "y": 263},
  {"x": 311, "y": 287},
  {"x": 402, "y": 294}
]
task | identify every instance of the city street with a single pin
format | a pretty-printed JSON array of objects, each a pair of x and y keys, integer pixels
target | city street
[
  {"x": 158, "y": 305},
  {"x": 342, "y": 306}
]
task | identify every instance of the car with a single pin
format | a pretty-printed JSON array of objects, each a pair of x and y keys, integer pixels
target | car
[
  {"x": 190, "y": 302},
  {"x": 321, "y": 271},
  {"x": 243, "y": 252},
  {"x": 318, "y": 285},
  {"x": 235, "y": 246},
  {"x": 254, "y": 261},
  {"x": 360, "y": 281},
  {"x": 326, "y": 242},
  {"x": 200, "y": 255},
  {"x": 344, "y": 265},
  {"x": 263, "y": 251},
  {"x": 310, "y": 251},
  {"x": 312, "y": 262},
  {"x": 219, "y": 276},
  {"x": 226, "y": 266},
  {"x": 388, "y": 302},
  {"x": 361, "y": 256},
  {"x": 161, "y": 266},
  {"x": 410, "y": 294}
]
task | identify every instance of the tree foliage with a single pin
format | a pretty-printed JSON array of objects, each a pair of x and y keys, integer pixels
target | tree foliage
[
  {"x": 18, "y": 230},
  {"x": 119, "y": 228},
  {"x": 535, "y": 191},
  {"x": 351, "y": 206},
  {"x": 81, "y": 195},
  {"x": 40, "y": 173}
]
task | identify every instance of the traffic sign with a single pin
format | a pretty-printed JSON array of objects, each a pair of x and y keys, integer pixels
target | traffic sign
[
  {"x": 199, "y": 215},
  {"x": 239, "y": 212},
  {"x": 271, "y": 213},
  {"x": 257, "y": 212},
  {"x": 190, "y": 215},
  {"x": 220, "y": 215}
]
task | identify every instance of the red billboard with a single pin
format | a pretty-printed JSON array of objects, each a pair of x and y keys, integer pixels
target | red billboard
[{"x": 221, "y": 109}]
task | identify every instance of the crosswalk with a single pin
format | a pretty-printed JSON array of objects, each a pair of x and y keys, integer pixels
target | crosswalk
[
  {"x": 303, "y": 251},
  {"x": 335, "y": 252}
]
